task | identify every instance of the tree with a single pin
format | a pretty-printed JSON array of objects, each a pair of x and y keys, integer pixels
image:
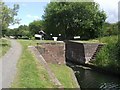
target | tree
[
  {"x": 35, "y": 27},
  {"x": 12, "y": 32},
  {"x": 23, "y": 30},
  {"x": 110, "y": 29},
  {"x": 8, "y": 16},
  {"x": 74, "y": 18}
]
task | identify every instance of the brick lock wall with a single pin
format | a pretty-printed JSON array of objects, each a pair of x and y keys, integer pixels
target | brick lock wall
[
  {"x": 53, "y": 52},
  {"x": 80, "y": 52},
  {"x": 72, "y": 51}
]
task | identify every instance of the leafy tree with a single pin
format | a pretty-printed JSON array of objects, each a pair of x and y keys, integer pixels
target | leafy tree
[
  {"x": 23, "y": 30},
  {"x": 12, "y": 32},
  {"x": 35, "y": 27},
  {"x": 8, "y": 16},
  {"x": 74, "y": 18},
  {"x": 110, "y": 29}
]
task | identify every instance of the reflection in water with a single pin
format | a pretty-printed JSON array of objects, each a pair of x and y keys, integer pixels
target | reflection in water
[
  {"x": 109, "y": 85},
  {"x": 92, "y": 79}
]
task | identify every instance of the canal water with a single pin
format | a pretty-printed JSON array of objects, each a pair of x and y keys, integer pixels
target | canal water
[{"x": 88, "y": 78}]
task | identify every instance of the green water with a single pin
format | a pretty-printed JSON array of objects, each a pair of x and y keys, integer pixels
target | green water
[{"x": 89, "y": 79}]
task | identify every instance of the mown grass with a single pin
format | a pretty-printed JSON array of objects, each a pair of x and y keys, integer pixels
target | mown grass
[
  {"x": 31, "y": 73},
  {"x": 108, "y": 57},
  {"x": 64, "y": 75},
  {"x": 4, "y": 46},
  {"x": 103, "y": 40},
  {"x": 108, "y": 39},
  {"x": 87, "y": 41}
]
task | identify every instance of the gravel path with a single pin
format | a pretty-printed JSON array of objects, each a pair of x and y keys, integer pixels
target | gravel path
[{"x": 8, "y": 64}]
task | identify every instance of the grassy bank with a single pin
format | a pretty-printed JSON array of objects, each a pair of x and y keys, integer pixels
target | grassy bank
[
  {"x": 31, "y": 74},
  {"x": 64, "y": 75},
  {"x": 108, "y": 57},
  {"x": 4, "y": 46}
]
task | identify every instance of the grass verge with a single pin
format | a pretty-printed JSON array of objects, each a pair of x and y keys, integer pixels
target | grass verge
[
  {"x": 64, "y": 75},
  {"x": 4, "y": 46},
  {"x": 30, "y": 73}
]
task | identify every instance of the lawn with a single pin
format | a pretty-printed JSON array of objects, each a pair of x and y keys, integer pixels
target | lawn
[
  {"x": 4, "y": 46},
  {"x": 31, "y": 74},
  {"x": 64, "y": 75},
  {"x": 107, "y": 39}
]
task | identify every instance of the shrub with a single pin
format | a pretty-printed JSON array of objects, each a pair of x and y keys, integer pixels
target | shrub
[{"x": 109, "y": 55}]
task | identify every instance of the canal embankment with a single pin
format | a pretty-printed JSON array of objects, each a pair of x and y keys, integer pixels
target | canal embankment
[{"x": 82, "y": 56}]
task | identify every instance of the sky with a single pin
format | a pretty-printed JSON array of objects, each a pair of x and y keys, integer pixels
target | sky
[{"x": 34, "y": 9}]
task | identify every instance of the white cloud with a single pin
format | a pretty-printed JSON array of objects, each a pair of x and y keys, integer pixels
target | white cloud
[
  {"x": 13, "y": 26},
  {"x": 33, "y": 17},
  {"x": 26, "y": 0},
  {"x": 36, "y": 17},
  {"x": 17, "y": 25},
  {"x": 23, "y": 4},
  {"x": 29, "y": 16},
  {"x": 111, "y": 9},
  {"x": 25, "y": 23}
]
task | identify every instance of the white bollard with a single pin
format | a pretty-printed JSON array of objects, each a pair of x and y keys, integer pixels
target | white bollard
[{"x": 55, "y": 38}]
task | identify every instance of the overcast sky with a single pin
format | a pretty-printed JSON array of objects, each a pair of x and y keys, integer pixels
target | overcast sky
[{"x": 30, "y": 11}]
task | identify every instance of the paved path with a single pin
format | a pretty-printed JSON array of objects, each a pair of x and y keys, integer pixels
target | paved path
[{"x": 8, "y": 64}]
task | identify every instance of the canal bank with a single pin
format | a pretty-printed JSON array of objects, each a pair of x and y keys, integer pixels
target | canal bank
[
  {"x": 92, "y": 79},
  {"x": 54, "y": 54},
  {"x": 85, "y": 53},
  {"x": 88, "y": 75}
]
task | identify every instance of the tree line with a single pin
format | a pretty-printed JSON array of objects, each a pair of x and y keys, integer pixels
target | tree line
[
  {"x": 24, "y": 31},
  {"x": 68, "y": 19}
]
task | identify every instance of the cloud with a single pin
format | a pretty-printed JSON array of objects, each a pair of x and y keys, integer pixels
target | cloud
[
  {"x": 17, "y": 25},
  {"x": 111, "y": 9},
  {"x": 119, "y": 11},
  {"x": 29, "y": 16},
  {"x": 23, "y": 4},
  {"x": 33, "y": 17},
  {"x": 13, "y": 26},
  {"x": 27, "y": 0},
  {"x": 36, "y": 17}
]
